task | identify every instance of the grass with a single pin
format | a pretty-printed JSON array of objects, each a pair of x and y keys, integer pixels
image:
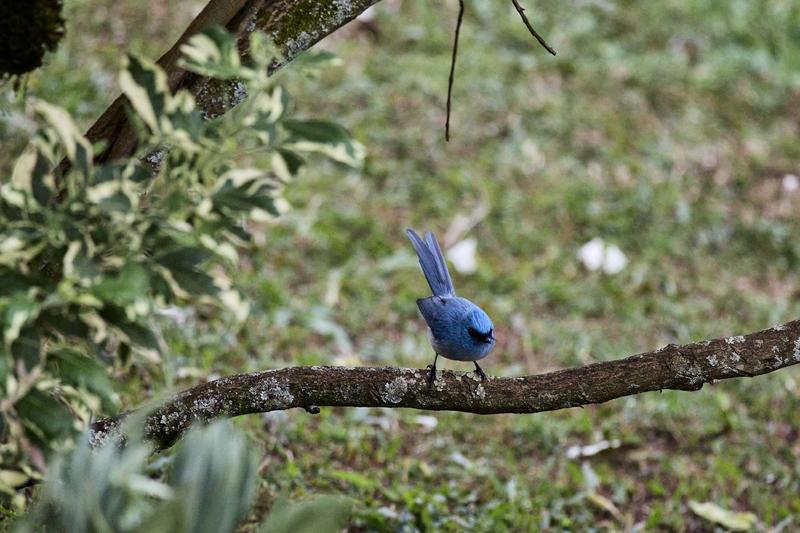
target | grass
[{"x": 665, "y": 128}]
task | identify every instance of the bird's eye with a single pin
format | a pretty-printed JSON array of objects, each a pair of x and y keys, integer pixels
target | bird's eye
[{"x": 478, "y": 336}]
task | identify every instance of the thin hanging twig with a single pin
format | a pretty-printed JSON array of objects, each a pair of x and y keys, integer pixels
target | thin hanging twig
[
  {"x": 521, "y": 11},
  {"x": 453, "y": 69}
]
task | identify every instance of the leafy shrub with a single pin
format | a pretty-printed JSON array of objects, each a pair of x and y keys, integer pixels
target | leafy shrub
[
  {"x": 86, "y": 258},
  {"x": 209, "y": 487}
]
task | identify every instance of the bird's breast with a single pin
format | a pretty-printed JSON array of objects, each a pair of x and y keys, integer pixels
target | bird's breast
[{"x": 459, "y": 349}]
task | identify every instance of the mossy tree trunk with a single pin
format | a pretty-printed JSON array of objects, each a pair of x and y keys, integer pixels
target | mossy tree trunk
[{"x": 294, "y": 25}]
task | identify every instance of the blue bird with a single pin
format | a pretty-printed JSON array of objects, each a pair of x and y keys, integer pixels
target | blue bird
[{"x": 458, "y": 329}]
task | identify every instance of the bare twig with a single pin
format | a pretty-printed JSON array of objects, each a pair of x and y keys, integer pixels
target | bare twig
[
  {"x": 521, "y": 11},
  {"x": 685, "y": 367},
  {"x": 453, "y": 69}
]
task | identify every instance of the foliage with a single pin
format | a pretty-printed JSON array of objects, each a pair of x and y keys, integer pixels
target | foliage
[
  {"x": 208, "y": 486},
  {"x": 665, "y": 128},
  {"x": 325, "y": 513},
  {"x": 88, "y": 258}
]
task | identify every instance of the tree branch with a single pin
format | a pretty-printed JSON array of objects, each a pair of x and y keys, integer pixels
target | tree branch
[
  {"x": 294, "y": 25},
  {"x": 521, "y": 11},
  {"x": 685, "y": 367},
  {"x": 453, "y": 69}
]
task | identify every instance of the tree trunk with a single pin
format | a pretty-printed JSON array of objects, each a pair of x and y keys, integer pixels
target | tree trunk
[{"x": 294, "y": 25}]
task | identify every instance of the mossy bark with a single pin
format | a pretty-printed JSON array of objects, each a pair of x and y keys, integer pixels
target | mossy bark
[{"x": 294, "y": 25}]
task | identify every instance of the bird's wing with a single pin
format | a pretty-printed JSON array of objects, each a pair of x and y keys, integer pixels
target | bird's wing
[
  {"x": 435, "y": 311},
  {"x": 432, "y": 262}
]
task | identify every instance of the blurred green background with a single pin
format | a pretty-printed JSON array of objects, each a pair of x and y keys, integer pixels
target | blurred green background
[{"x": 667, "y": 129}]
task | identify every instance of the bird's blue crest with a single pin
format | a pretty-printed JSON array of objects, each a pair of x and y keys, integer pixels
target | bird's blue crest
[
  {"x": 480, "y": 320},
  {"x": 432, "y": 262}
]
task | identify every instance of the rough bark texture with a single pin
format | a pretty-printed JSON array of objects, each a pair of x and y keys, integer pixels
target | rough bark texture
[
  {"x": 294, "y": 25},
  {"x": 685, "y": 367}
]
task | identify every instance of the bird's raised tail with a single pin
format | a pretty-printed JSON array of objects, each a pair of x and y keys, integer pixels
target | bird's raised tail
[{"x": 432, "y": 262}]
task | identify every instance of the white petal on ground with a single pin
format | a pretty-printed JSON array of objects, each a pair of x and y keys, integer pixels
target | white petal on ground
[
  {"x": 179, "y": 315},
  {"x": 462, "y": 255},
  {"x": 426, "y": 421},
  {"x": 596, "y": 254},
  {"x": 615, "y": 260},
  {"x": 591, "y": 254},
  {"x": 573, "y": 452},
  {"x": 790, "y": 183},
  {"x": 459, "y": 459}
]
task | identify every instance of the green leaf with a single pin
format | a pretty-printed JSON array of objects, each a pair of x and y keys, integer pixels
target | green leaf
[
  {"x": 327, "y": 138},
  {"x": 20, "y": 310},
  {"x": 266, "y": 109},
  {"x": 185, "y": 128},
  {"x": 13, "y": 282},
  {"x": 312, "y": 61},
  {"x": 32, "y": 175},
  {"x": 286, "y": 164},
  {"x": 78, "y": 265},
  {"x": 212, "y": 53},
  {"x": 317, "y": 131},
  {"x": 195, "y": 282},
  {"x": 65, "y": 323},
  {"x": 27, "y": 347},
  {"x": 145, "y": 85},
  {"x": 114, "y": 195},
  {"x": 76, "y": 147},
  {"x": 77, "y": 369},
  {"x": 131, "y": 286},
  {"x": 243, "y": 199},
  {"x": 359, "y": 481},
  {"x": 244, "y": 190},
  {"x": 728, "y": 519},
  {"x": 323, "y": 514},
  {"x": 103, "y": 489},
  {"x": 11, "y": 479},
  {"x": 201, "y": 475},
  {"x": 136, "y": 333},
  {"x": 139, "y": 335},
  {"x": 45, "y": 418},
  {"x": 187, "y": 258},
  {"x": 19, "y": 246}
]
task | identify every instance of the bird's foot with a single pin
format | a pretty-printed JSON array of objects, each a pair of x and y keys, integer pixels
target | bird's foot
[
  {"x": 432, "y": 369},
  {"x": 480, "y": 372},
  {"x": 431, "y": 374}
]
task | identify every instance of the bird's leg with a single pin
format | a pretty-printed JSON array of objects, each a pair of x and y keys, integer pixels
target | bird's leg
[
  {"x": 480, "y": 371},
  {"x": 432, "y": 374}
]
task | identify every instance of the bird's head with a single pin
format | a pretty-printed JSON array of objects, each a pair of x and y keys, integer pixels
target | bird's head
[{"x": 480, "y": 328}]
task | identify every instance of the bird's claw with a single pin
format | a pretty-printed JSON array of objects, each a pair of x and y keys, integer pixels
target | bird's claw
[
  {"x": 480, "y": 372},
  {"x": 431, "y": 374}
]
